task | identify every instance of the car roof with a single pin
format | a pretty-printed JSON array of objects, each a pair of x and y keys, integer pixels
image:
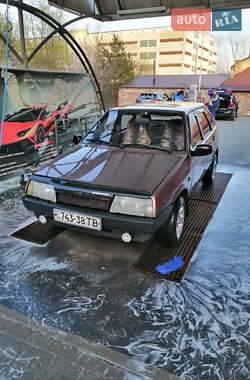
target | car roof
[{"x": 163, "y": 106}]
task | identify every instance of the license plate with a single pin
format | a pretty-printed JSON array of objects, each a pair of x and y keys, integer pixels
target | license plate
[{"x": 76, "y": 219}]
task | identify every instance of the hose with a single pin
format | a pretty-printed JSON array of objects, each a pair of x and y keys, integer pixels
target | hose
[{"x": 6, "y": 68}]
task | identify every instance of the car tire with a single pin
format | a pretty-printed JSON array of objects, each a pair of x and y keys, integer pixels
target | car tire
[
  {"x": 209, "y": 176},
  {"x": 40, "y": 135},
  {"x": 232, "y": 116},
  {"x": 170, "y": 234}
]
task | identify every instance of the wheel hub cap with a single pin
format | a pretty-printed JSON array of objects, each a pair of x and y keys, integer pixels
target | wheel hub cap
[{"x": 180, "y": 222}]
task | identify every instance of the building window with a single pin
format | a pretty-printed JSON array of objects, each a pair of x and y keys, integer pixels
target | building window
[
  {"x": 194, "y": 57},
  {"x": 210, "y": 52},
  {"x": 196, "y": 34},
  {"x": 148, "y": 43},
  {"x": 193, "y": 69},
  {"x": 148, "y": 55},
  {"x": 152, "y": 43},
  {"x": 195, "y": 45},
  {"x": 210, "y": 63}
]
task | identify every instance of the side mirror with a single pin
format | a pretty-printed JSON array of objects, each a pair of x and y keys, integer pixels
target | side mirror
[
  {"x": 202, "y": 150},
  {"x": 76, "y": 139}
]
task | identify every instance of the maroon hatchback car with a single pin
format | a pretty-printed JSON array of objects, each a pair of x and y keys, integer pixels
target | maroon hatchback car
[{"x": 131, "y": 175}]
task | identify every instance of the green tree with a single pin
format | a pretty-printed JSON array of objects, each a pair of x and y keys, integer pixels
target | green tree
[
  {"x": 118, "y": 68},
  {"x": 12, "y": 38},
  {"x": 54, "y": 55}
]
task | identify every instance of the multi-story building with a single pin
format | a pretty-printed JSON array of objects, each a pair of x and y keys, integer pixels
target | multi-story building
[{"x": 164, "y": 50}]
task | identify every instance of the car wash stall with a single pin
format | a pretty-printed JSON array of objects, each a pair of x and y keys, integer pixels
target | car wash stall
[{"x": 88, "y": 285}]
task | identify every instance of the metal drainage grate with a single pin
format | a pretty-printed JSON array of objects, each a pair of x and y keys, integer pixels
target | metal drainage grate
[
  {"x": 37, "y": 232},
  {"x": 214, "y": 193},
  {"x": 203, "y": 203}
]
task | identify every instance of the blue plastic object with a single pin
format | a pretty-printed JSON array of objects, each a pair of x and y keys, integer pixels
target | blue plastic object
[{"x": 170, "y": 266}]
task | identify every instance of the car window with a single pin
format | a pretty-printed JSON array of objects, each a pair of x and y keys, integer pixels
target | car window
[
  {"x": 204, "y": 124},
  {"x": 23, "y": 117},
  {"x": 210, "y": 118},
  {"x": 151, "y": 128},
  {"x": 43, "y": 115},
  {"x": 195, "y": 132}
]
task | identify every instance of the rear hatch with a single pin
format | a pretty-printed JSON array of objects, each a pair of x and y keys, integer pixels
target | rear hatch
[{"x": 224, "y": 102}]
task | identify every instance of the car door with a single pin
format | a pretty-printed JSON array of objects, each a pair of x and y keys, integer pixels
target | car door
[
  {"x": 208, "y": 134},
  {"x": 196, "y": 138}
]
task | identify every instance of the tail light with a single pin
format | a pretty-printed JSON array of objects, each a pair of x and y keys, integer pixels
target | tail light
[
  {"x": 155, "y": 100},
  {"x": 231, "y": 105},
  {"x": 137, "y": 100}
]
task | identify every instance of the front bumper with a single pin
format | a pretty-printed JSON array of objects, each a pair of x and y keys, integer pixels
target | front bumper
[{"x": 113, "y": 225}]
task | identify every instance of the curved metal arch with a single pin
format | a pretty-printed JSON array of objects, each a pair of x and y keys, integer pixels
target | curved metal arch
[
  {"x": 66, "y": 36},
  {"x": 49, "y": 36},
  {"x": 12, "y": 49}
]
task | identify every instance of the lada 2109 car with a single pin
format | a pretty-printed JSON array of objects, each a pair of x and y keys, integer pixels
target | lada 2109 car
[{"x": 131, "y": 175}]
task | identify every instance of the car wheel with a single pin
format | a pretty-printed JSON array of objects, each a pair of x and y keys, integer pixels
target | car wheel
[
  {"x": 171, "y": 233},
  {"x": 232, "y": 117},
  {"x": 40, "y": 134},
  {"x": 209, "y": 176}
]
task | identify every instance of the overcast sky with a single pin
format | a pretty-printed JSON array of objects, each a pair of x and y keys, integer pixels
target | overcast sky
[{"x": 153, "y": 22}]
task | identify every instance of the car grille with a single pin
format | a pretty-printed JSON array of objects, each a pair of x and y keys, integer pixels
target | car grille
[{"x": 86, "y": 202}]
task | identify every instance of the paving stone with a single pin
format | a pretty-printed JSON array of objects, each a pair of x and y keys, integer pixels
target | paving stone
[
  {"x": 31, "y": 350},
  {"x": 41, "y": 359},
  {"x": 9, "y": 343},
  {"x": 97, "y": 366},
  {"x": 118, "y": 374},
  {"x": 65, "y": 351},
  {"x": 40, "y": 340},
  {"x": 15, "y": 329},
  {"x": 64, "y": 370},
  {"x": 34, "y": 372}
]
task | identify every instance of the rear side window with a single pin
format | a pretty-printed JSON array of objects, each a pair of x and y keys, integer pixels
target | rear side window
[
  {"x": 194, "y": 130},
  {"x": 203, "y": 123},
  {"x": 210, "y": 118},
  {"x": 23, "y": 117}
]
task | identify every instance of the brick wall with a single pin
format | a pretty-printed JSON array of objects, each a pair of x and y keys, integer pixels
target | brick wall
[
  {"x": 240, "y": 65},
  {"x": 128, "y": 95},
  {"x": 244, "y": 99}
]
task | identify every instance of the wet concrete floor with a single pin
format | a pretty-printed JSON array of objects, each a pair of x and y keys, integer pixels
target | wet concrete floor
[{"x": 197, "y": 330}]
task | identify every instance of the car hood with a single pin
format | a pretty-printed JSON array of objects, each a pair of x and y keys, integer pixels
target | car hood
[
  {"x": 112, "y": 167},
  {"x": 11, "y": 128}
]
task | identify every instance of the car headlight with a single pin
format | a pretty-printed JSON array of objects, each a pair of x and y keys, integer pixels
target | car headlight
[
  {"x": 132, "y": 206},
  {"x": 41, "y": 190}
]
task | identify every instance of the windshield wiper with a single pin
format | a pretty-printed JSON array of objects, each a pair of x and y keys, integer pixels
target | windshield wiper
[
  {"x": 147, "y": 147},
  {"x": 99, "y": 141}
]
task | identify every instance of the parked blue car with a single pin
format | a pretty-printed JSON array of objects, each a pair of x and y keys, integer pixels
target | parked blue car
[{"x": 152, "y": 97}]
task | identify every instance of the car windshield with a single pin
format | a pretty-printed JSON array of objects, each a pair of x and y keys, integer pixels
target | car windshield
[
  {"x": 147, "y": 129},
  {"x": 25, "y": 115}
]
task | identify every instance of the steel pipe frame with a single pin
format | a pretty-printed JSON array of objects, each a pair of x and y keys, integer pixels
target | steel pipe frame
[{"x": 58, "y": 28}]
